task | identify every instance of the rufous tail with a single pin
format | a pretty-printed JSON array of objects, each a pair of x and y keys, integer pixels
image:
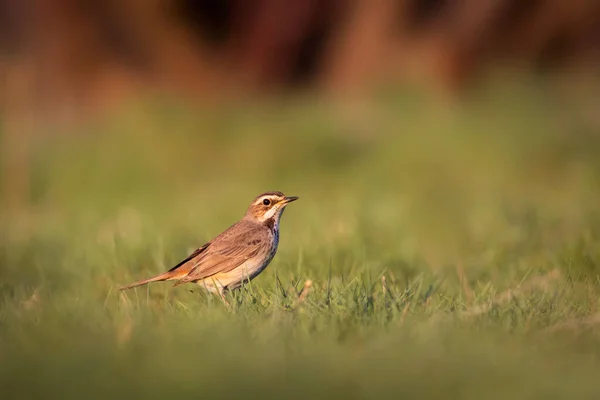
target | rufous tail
[{"x": 162, "y": 277}]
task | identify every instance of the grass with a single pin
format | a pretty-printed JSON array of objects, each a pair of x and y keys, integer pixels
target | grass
[{"x": 453, "y": 253}]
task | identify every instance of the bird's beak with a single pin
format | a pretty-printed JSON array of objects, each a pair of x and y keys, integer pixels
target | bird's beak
[{"x": 289, "y": 199}]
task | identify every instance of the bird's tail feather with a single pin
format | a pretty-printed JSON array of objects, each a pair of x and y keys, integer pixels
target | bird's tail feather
[{"x": 169, "y": 275}]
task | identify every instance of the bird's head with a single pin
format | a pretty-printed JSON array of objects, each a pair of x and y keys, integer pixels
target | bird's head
[{"x": 268, "y": 207}]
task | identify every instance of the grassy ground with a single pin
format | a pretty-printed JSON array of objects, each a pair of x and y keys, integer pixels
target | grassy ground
[{"x": 453, "y": 253}]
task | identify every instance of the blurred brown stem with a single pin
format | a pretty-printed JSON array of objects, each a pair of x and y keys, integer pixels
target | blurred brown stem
[
  {"x": 17, "y": 121},
  {"x": 355, "y": 53}
]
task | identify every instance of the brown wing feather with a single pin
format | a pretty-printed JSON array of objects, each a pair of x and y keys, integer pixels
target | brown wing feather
[
  {"x": 227, "y": 253},
  {"x": 195, "y": 254}
]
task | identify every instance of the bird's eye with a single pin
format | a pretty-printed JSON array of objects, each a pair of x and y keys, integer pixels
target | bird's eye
[{"x": 266, "y": 202}]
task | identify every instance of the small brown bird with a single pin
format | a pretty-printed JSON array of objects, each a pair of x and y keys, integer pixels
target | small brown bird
[{"x": 238, "y": 254}]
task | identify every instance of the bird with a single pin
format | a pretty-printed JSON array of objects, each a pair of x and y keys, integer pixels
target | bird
[{"x": 235, "y": 256}]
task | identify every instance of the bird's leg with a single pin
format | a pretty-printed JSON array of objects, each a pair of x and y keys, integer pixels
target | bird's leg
[{"x": 222, "y": 294}]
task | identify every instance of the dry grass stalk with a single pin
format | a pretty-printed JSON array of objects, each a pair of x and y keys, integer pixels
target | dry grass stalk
[
  {"x": 469, "y": 296},
  {"x": 404, "y": 312},
  {"x": 303, "y": 293},
  {"x": 124, "y": 302}
]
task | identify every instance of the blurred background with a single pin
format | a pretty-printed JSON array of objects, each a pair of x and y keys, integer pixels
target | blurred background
[{"x": 65, "y": 57}]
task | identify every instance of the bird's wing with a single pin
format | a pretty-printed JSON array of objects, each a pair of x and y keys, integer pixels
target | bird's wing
[
  {"x": 195, "y": 254},
  {"x": 226, "y": 253}
]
